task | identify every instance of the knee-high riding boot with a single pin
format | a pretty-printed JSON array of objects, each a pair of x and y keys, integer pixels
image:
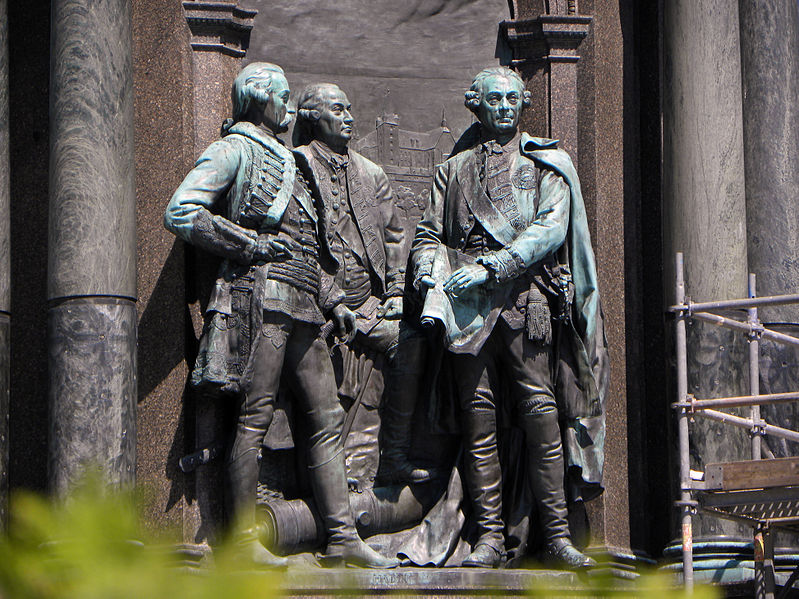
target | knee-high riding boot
[
  {"x": 344, "y": 545},
  {"x": 396, "y": 425},
  {"x": 546, "y": 474},
  {"x": 484, "y": 483},
  {"x": 242, "y": 481}
]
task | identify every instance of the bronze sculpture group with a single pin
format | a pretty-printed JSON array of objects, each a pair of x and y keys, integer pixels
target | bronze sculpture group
[{"x": 311, "y": 242}]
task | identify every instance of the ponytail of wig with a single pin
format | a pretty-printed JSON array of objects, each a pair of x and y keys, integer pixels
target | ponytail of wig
[
  {"x": 252, "y": 85},
  {"x": 310, "y": 105}
]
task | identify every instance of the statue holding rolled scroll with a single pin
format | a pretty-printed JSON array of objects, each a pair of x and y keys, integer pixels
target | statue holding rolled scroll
[
  {"x": 246, "y": 202},
  {"x": 504, "y": 258}
]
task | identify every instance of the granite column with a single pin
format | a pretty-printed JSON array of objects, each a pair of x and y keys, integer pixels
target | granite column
[
  {"x": 705, "y": 211},
  {"x": 770, "y": 73},
  {"x": 92, "y": 244},
  {"x": 5, "y": 263}
]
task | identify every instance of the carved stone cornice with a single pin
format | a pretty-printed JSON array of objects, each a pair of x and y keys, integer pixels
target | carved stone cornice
[
  {"x": 219, "y": 26},
  {"x": 546, "y": 38}
]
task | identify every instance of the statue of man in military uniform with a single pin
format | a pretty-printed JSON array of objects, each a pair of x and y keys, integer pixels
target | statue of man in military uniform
[
  {"x": 246, "y": 202},
  {"x": 363, "y": 232},
  {"x": 510, "y": 211}
]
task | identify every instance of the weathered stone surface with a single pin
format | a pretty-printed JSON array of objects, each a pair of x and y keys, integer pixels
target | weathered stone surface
[
  {"x": 92, "y": 368},
  {"x": 770, "y": 66},
  {"x": 5, "y": 261},
  {"x": 28, "y": 128},
  {"x": 433, "y": 582},
  {"x": 704, "y": 204},
  {"x": 5, "y": 337},
  {"x": 413, "y": 59},
  {"x": 164, "y": 144},
  {"x": 92, "y": 194},
  {"x": 5, "y": 183},
  {"x": 600, "y": 79},
  {"x": 703, "y": 149}
]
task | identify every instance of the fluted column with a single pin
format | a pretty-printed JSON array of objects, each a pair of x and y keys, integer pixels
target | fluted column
[
  {"x": 704, "y": 207},
  {"x": 5, "y": 263},
  {"x": 92, "y": 243}
]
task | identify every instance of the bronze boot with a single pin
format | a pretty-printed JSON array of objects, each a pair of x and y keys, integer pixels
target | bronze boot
[
  {"x": 483, "y": 479},
  {"x": 402, "y": 390},
  {"x": 242, "y": 474},
  {"x": 344, "y": 545},
  {"x": 546, "y": 472}
]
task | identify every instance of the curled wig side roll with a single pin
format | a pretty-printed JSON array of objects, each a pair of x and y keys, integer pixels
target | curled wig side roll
[{"x": 473, "y": 94}]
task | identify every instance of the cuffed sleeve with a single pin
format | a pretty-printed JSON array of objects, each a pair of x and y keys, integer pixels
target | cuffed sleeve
[
  {"x": 430, "y": 230},
  {"x": 189, "y": 214}
]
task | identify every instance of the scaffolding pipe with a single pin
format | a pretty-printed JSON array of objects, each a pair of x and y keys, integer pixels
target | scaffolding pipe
[
  {"x": 754, "y": 367},
  {"x": 741, "y": 401},
  {"x": 766, "y": 300},
  {"x": 745, "y": 327},
  {"x": 685, "y": 464},
  {"x": 738, "y": 421}
]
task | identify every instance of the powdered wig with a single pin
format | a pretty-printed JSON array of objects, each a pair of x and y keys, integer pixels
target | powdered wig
[
  {"x": 473, "y": 95},
  {"x": 310, "y": 105},
  {"x": 252, "y": 84}
]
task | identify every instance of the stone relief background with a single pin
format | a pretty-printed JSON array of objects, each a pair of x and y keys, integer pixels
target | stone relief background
[{"x": 413, "y": 58}]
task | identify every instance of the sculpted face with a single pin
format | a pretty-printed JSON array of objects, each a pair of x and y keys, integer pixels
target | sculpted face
[
  {"x": 500, "y": 105},
  {"x": 334, "y": 127},
  {"x": 277, "y": 115}
]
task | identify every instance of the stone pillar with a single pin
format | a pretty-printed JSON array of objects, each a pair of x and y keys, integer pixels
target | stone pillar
[
  {"x": 220, "y": 35},
  {"x": 704, "y": 210},
  {"x": 92, "y": 244},
  {"x": 545, "y": 54},
  {"x": 5, "y": 263},
  {"x": 770, "y": 67}
]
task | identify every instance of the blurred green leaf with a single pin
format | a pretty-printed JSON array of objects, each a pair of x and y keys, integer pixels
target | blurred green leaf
[{"x": 92, "y": 546}]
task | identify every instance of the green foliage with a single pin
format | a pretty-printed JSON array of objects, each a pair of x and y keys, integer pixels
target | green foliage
[{"x": 91, "y": 546}]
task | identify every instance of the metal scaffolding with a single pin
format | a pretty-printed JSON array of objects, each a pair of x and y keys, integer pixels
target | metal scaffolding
[{"x": 763, "y": 493}]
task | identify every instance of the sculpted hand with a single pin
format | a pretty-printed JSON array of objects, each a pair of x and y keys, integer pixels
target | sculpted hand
[
  {"x": 466, "y": 277},
  {"x": 270, "y": 248},
  {"x": 345, "y": 320},
  {"x": 391, "y": 309},
  {"x": 426, "y": 283}
]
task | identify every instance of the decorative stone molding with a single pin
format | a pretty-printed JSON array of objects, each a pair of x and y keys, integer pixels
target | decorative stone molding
[
  {"x": 219, "y": 26},
  {"x": 547, "y": 38}
]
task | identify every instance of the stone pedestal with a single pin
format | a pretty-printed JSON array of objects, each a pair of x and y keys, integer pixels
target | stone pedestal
[
  {"x": 704, "y": 208},
  {"x": 426, "y": 582},
  {"x": 92, "y": 243}
]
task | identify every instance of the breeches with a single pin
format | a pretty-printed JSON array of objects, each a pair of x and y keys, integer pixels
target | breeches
[
  {"x": 294, "y": 351},
  {"x": 508, "y": 361}
]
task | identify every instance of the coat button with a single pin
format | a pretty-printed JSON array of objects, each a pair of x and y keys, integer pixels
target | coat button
[
  {"x": 336, "y": 206},
  {"x": 333, "y": 178},
  {"x": 334, "y": 192}
]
